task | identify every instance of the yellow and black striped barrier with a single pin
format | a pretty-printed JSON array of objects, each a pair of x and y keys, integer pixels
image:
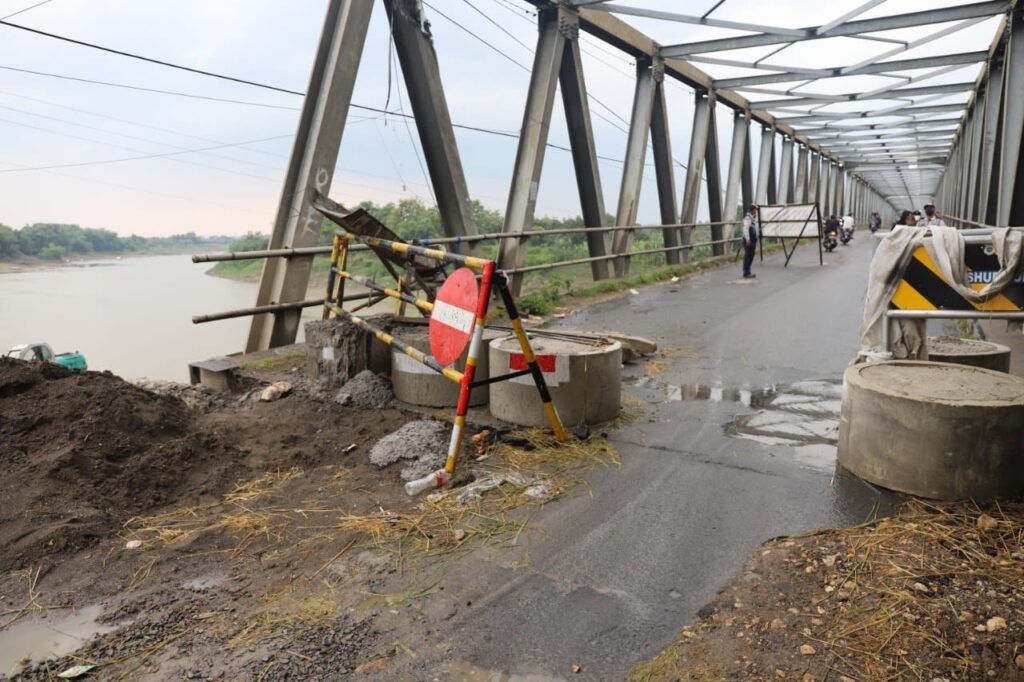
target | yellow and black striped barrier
[
  {"x": 490, "y": 279},
  {"x": 923, "y": 288}
]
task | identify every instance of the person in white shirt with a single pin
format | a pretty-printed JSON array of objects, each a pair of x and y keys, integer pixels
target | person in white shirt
[
  {"x": 930, "y": 217},
  {"x": 751, "y": 229}
]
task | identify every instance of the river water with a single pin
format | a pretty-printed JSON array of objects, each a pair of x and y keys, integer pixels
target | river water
[{"x": 132, "y": 316}]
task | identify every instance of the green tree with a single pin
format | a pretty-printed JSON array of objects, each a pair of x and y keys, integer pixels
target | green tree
[{"x": 8, "y": 243}]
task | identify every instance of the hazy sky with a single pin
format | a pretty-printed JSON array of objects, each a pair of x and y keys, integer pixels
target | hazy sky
[{"x": 47, "y": 122}]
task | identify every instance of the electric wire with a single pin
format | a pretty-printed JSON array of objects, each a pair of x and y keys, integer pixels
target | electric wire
[
  {"x": 130, "y": 122},
  {"x": 140, "y": 88},
  {"x": 136, "y": 158},
  {"x": 140, "y": 138},
  {"x": 383, "y": 111},
  {"x": 24, "y": 9},
  {"x": 144, "y": 190},
  {"x": 113, "y": 145},
  {"x": 151, "y": 60}
]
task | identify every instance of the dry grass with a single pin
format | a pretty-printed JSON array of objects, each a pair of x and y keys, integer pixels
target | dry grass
[
  {"x": 891, "y": 627},
  {"x": 437, "y": 524},
  {"x": 444, "y": 524},
  {"x": 935, "y": 592}
]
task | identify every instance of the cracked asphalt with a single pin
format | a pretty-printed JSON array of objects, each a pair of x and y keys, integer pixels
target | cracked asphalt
[{"x": 621, "y": 570}]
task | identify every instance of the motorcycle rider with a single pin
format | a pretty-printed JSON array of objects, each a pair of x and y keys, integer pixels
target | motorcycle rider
[
  {"x": 831, "y": 231},
  {"x": 832, "y": 224},
  {"x": 875, "y": 221},
  {"x": 847, "y": 228}
]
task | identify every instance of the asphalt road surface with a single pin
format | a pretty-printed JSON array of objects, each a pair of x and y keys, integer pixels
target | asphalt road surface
[{"x": 733, "y": 446}]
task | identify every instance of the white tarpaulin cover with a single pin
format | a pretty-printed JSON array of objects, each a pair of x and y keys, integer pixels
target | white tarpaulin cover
[{"x": 775, "y": 220}]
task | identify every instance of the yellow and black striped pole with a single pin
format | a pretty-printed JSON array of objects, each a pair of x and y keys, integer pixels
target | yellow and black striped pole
[
  {"x": 328, "y": 295},
  {"x": 530, "y": 358}
]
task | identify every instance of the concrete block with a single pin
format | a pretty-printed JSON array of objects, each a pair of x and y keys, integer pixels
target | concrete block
[
  {"x": 220, "y": 374},
  {"x": 417, "y": 384},
  {"x": 984, "y": 354},
  {"x": 337, "y": 350},
  {"x": 585, "y": 382},
  {"x": 937, "y": 430}
]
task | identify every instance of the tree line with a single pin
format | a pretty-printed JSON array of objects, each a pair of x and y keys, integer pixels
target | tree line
[{"x": 53, "y": 241}]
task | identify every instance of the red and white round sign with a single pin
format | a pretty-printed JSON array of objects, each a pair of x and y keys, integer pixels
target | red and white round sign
[{"x": 451, "y": 322}]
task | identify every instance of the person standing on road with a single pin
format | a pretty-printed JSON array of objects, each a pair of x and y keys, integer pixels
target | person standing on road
[
  {"x": 930, "y": 217},
  {"x": 751, "y": 229}
]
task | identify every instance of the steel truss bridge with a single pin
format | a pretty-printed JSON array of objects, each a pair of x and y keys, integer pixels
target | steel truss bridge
[{"x": 922, "y": 131}]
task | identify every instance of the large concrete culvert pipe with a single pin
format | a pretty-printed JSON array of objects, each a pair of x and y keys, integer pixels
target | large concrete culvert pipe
[
  {"x": 935, "y": 430},
  {"x": 584, "y": 380}
]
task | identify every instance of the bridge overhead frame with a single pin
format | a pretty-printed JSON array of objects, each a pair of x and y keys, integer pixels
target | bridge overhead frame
[{"x": 856, "y": 159}]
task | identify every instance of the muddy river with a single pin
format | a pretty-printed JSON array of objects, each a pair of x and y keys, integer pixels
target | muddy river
[{"x": 132, "y": 316}]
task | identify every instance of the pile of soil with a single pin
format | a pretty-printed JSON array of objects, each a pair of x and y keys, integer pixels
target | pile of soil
[
  {"x": 83, "y": 452},
  {"x": 934, "y": 593},
  {"x": 367, "y": 391},
  {"x": 424, "y": 442}
]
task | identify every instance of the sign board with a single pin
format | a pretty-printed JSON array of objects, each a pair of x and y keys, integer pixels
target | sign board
[
  {"x": 923, "y": 288},
  {"x": 792, "y": 221},
  {"x": 451, "y": 321}
]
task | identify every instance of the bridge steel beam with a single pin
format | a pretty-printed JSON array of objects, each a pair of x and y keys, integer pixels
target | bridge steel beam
[
  {"x": 584, "y": 152},
  {"x": 765, "y": 166},
  {"x": 703, "y": 112},
  {"x": 713, "y": 172},
  {"x": 990, "y": 143},
  {"x": 785, "y": 191},
  {"x": 738, "y": 159},
  {"x": 813, "y": 179},
  {"x": 664, "y": 172},
  {"x": 801, "y": 176},
  {"x": 415, "y": 48},
  {"x": 556, "y": 60},
  {"x": 1011, "y": 177},
  {"x": 310, "y": 170},
  {"x": 633, "y": 169}
]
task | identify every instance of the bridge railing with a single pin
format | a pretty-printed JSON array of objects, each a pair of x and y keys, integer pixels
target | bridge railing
[{"x": 458, "y": 242}]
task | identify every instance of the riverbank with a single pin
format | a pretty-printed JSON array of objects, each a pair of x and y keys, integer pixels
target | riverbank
[{"x": 31, "y": 263}]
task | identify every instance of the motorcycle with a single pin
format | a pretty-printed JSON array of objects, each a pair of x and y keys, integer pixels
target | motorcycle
[
  {"x": 847, "y": 236},
  {"x": 828, "y": 242}
]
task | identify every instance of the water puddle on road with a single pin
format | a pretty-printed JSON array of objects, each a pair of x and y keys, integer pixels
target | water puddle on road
[
  {"x": 803, "y": 415},
  {"x": 37, "y": 638}
]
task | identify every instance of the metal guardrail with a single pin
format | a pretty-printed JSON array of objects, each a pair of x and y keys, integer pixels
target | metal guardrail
[
  {"x": 891, "y": 315},
  {"x": 458, "y": 241},
  {"x": 470, "y": 239}
]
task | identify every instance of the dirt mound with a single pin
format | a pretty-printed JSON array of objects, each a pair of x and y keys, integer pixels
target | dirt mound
[
  {"x": 83, "y": 452},
  {"x": 425, "y": 442},
  {"x": 367, "y": 391}
]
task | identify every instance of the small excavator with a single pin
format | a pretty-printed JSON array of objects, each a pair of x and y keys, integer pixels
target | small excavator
[{"x": 41, "y": 352}]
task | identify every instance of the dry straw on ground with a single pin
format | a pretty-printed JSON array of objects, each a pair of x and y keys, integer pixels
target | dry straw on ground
[{"x": 935, "y": 592}]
